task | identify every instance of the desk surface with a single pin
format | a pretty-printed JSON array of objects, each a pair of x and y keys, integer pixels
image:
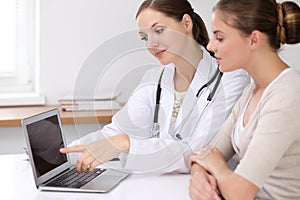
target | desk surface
[
  {"x": 17, "y": 183},
  {"x": 11, "y": 116}
]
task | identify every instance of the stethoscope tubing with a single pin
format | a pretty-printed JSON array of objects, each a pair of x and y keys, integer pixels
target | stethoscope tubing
[
  {"x": 155, "y": 126},
  {"x": 158, "y": 95}
]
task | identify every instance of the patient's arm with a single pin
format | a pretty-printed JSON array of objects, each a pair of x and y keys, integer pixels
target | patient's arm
[{"x": 231, "y": 185}]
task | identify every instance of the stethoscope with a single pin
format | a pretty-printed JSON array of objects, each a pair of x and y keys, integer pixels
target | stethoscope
[{"x": 155, "y": 129}]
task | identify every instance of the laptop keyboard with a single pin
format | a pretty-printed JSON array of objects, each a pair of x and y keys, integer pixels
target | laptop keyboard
[{"x": 73, "y": 179}]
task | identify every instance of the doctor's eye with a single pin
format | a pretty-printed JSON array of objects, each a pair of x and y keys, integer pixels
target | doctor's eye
[
  {"x": 159, "y": 30},
  {"x": 144, "y": 38}
]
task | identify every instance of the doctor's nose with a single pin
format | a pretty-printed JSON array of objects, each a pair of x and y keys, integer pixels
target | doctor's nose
[{"x": 152, "y": 43}]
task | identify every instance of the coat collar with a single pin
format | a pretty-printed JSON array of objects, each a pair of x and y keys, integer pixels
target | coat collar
[{"x": 205, "y": 70}]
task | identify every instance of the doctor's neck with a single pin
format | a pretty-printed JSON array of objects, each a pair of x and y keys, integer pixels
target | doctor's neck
[{"x": 186, "y": 65}]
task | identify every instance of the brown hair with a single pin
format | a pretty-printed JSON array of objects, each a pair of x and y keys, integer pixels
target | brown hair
[
  {"x": 176, "y": 9},
  {"x": 279, "y": 22}
]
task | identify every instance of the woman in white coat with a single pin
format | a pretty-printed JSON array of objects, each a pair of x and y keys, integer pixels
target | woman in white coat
[{"x": 192, "y": 98}]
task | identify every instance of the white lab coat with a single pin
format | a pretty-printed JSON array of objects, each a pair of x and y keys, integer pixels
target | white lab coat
[{"x": 198, "y": 121}]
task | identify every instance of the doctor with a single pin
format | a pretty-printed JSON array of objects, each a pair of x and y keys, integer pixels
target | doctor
[{"x": 177, "y": 108}]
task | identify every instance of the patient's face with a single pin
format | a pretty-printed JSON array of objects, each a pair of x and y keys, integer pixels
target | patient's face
[{"x": 231, "y": 48}]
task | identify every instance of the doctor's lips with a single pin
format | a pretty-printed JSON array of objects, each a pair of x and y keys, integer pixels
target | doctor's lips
[{"x": 159, "y": 53}]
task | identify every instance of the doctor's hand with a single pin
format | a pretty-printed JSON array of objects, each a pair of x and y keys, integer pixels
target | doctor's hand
[
  {"x": 98, "y": 152},
  {"x": 202, "y": 184}
]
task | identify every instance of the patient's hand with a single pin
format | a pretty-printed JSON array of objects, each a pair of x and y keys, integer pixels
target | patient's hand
[
  {"x": 211, "y": 159},
  {"x": 98, "y": 152},
  {"x": 202, "y": 184}
]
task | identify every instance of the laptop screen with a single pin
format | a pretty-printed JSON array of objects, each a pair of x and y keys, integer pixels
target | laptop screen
[{"x": 45, "y": 138}]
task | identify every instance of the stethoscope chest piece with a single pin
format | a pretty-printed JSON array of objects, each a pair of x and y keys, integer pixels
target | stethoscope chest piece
[{"x": 155, "y": 129}]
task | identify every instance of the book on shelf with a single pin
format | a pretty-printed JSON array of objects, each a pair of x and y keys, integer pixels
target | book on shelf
[
  {"x": 110, "y": 105},
  {"x": 89, "y": 104}
]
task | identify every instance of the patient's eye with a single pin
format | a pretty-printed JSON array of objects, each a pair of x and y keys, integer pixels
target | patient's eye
[{"x": 219, "y": 39}]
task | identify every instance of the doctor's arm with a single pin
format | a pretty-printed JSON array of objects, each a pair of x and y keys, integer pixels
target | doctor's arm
[
  {"x": 99, "y": 151},
  {"x": 102, "y": 145}
]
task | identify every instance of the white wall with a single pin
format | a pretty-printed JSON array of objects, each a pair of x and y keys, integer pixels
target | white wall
[{"x": 71, "y": 29}]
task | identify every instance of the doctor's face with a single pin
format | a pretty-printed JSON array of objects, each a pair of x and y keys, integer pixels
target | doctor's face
[
  {"x": 229, "y": 45},
  {"x": 166, "y": 39}
]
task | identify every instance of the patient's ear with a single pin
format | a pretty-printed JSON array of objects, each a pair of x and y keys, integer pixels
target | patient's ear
[{"x": 256, "y": 39}]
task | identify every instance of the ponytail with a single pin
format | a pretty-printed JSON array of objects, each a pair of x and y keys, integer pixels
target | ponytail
[
  {"x": 290, "y": 23},
  {"x": 199, "y": 30}
]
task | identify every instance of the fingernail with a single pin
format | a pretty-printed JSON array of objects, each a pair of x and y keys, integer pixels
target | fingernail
[{"x": 216, "y": 196}]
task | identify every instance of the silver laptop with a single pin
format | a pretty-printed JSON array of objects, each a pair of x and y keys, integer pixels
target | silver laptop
[{"x": 52, "y": 170}]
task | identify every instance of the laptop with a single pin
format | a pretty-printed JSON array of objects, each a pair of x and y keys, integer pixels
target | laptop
[{"x": 52, "y": 170}]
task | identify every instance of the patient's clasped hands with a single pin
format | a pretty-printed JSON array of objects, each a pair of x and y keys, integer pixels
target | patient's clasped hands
[{"x": 207, "y": 164}]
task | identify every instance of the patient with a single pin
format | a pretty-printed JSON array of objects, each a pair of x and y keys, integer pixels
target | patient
[{"x": 264, "y": 126}]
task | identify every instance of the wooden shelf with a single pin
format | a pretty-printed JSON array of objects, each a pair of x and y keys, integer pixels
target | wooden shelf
[{"x": 12, "y": 116}]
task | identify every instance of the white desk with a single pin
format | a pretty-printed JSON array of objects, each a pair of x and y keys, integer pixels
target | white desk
[{"x": 17, "y": 184}]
